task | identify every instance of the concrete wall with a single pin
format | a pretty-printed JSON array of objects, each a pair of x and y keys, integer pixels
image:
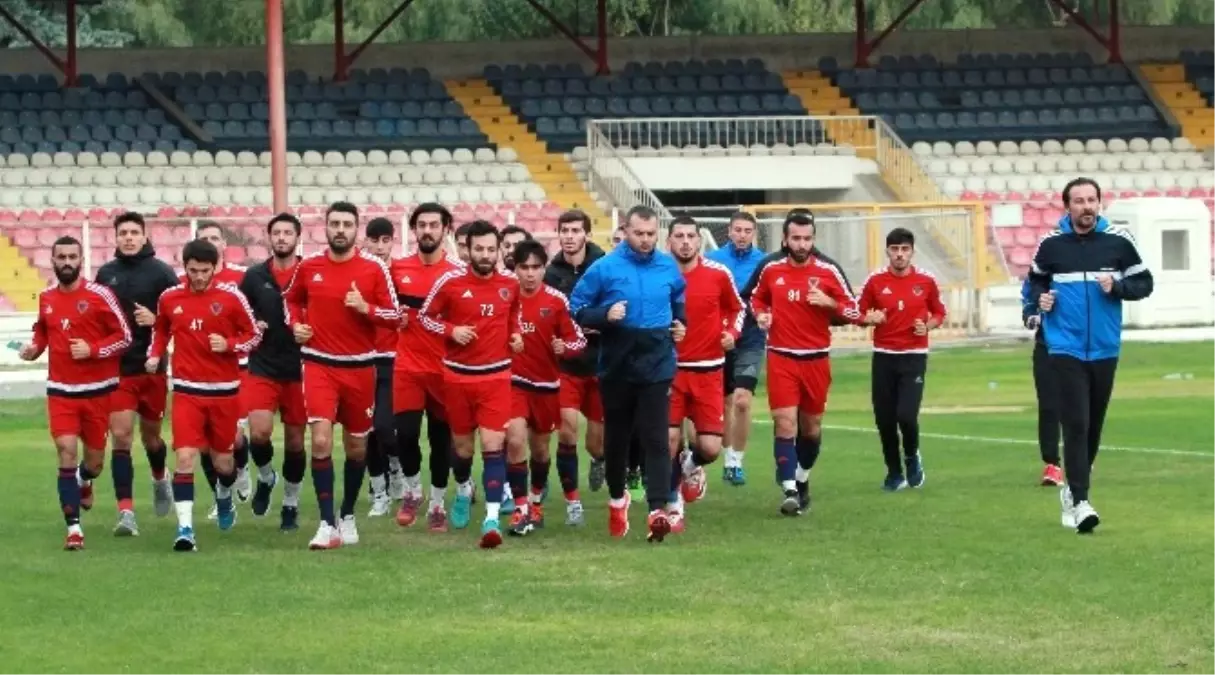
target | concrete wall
[{"x": 450, "y": 60}]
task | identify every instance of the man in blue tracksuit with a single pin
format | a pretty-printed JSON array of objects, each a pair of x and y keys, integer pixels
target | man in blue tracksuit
[
  {"x": 741, "y": 372},
  {"x": 634, "y": 297},
  {"x": 1045, "y": 390},
  {"x": 1080, "y": 277}
]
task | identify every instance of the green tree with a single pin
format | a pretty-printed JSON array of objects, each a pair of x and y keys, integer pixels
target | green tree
[{"x": 47, "y": 22}]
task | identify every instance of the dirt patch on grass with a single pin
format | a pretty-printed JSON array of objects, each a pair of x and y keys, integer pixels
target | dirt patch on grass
[{"x": 972, "y": 409}]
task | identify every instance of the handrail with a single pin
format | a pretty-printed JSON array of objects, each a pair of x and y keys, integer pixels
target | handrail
[{"x": 608, "y": 173}]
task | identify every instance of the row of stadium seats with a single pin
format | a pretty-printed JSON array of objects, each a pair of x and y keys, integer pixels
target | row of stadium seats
[
  {"x": 970, "y": 60},
  {"x": 451, "y": 130},
  {"x": 1050, "y": 146},
  {"x": 101, "y": 133},
  {"x": 1115, "y": 94},
  {"x": 1200, "y": 71},
  {"x": 293, "y": 78},
  {"x": 870, "y": 80},
  {"x": 754, "y": 83},
  {"x": 92, "y": 117},
  {"x": 9, "y": 152},
  {"x": 246, "y": 158},
  {"x": 530, "y": 109},
  {"x": 694, "y": 67},
  {"x": 319, "y": 94},
  {"x": 73, "y": 99},
  {"x": 1082, "y": 122},
  {"x": 369, "y": 176},
  {"x": 260, "y": 110},
  {"x": 258, "y": 215}
]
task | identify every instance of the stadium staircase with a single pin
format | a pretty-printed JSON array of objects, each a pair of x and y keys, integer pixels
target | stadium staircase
[
  {"x": 551, "y": 171},
  {"x": 1168, "y": 81},
  {"x": 899, "y": 168},
  {"x": 19, "y": 280}
]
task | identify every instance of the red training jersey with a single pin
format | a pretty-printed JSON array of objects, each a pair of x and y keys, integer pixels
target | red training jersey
[
  {"x": 341, "y": 336},
  {"x": 419, "y": 350},
  {"x": 488, "y": 305},
  {"x": 189, "y": 318},
  {"x": 89, "y": 312},
  {"x": 798, "y": 327},
  {"x": 713, "y": 307},
  {"x": 904, "y": 298},
  {"x": 544, "y": 315}
]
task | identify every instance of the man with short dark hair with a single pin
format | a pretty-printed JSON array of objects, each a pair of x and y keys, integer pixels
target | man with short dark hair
[
  {"x": 461, "y": 236},
  {"x": 579, "y": 386},
  {"x": 904, "y": 303},
  {"x": 211, "y": 326},
  {"x": 1081, "y": 275},
  {"x": 635, "y": 297},
  {"x": 740, "y": 375},
  {"x": 379, "y": 239},
  {"x": 477, "y": 309},
  {"x": 137, "y": 278},
  {"x": 344, "y": 294},
  {"x": 511, "y": 236},
  {"x": 83, "y": 327},
  {"x": 273, "y": 383},
  {"x": 418, "y": 373},
  {"x": 549, "y": 336}
]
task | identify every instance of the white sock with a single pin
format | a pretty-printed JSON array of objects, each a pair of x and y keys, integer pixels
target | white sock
[
  {"x": 265, "y": 474},
  {"x": 506, "y": 494},
  {"x": 394, "y": 464},
  {"x": 729, "y": 458},
  {"x": 437, "y": 496},
  {"x": 738, "y": 458},
  {"x": 788, "y": 485},
  {"x": 535, "y": 497},
  {"x": 80, "y": 479},
  {"x": 185, "y": 514},
  {"x": 413, "y": 484},
  {"x": 492, "y": 510},
  {"x": 464, "y": 489},
  {"x": 291, "y": 494},
  {"x": 75, "y": 529},
  {"x": 222, "y": 491},
  {"x": 379, "y": 485},
  {"x": 688, "y": 465},
  {"x": 802, "y": 475}
]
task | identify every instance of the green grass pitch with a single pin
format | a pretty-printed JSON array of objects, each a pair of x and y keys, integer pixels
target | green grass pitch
[{"x": 971, "y": 574}]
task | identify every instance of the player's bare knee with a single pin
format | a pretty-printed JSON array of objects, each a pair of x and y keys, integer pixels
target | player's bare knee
[
  {"x": 516, "y": 441},
  {"x": 741, "y": 405},
  {"x": 492, "y": 440},
  {"x": 94, "y": 459},
  {"x": 811, "y": 426},
  {"x": 224, "y": 462},
  {"x": 462, "y": 445},
  {"x": 709, "y": 446},
  {"x": 538, "y": 447},
  {"x": 185, "y": 459},
  {"x": 355, "y": 445},
  {"x": 784, "y": 424},
  {"x": 66, "y": 448}
]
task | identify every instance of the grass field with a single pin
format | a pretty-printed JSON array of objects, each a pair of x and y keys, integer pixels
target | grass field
[{"x": 971, "y": 574}]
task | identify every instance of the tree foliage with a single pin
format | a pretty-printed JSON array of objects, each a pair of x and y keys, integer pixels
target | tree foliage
[{"x": 192, "y": 23}]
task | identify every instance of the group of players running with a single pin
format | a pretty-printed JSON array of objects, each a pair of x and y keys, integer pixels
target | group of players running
[{"x": 482, "y": 345}]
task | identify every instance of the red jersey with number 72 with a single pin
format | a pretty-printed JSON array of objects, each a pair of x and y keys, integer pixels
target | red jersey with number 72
[
  {"x": 341, "y": 335},
  {"x": 713, "y": 307},
  {"x": 800, "y": 328},
  {"x": 488, "y": 305},
  {"x": 904, "y": 298},
  {"x": 544, "y": 315},
  {"x": 419, "y": 350},
  {"x": 91, "y": 313}
]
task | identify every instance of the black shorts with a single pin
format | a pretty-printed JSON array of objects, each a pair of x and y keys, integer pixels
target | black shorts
[{"x": 742, "y": 370}]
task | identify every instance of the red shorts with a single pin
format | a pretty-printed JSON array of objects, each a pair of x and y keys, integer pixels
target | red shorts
[
  {"x": 798, "y": 383},
  {"x": 582, "y": 394},
  {"x": 263, "y": 393},
  {"x": 412, "y": 392},
  {"x": 205, "y": 422},
  {"x": 344, "y": 396},
  {"x": 145, "y": 394},
  {"x": 86, "y": 418},
  {"x": 540, "y": 409},
  {"x": 477, "y": 404},
  {"x": 696, "y": 395}
]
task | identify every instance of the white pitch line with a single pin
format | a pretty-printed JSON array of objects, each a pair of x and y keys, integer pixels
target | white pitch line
[{"x": 1015, "y": 441}]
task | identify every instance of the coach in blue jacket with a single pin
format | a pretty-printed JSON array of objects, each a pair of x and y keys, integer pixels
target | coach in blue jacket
[
  {"x": 1080, "y": 277},
  {"x": 635, "y": 297}
]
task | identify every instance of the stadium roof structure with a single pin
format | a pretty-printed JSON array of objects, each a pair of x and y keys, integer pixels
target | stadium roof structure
[{"x": 865, "y": 46}]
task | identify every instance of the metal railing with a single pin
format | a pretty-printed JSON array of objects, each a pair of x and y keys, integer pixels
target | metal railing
[
  {"x": 678, "y": 133},
  {"x": 608, "y": 174}
]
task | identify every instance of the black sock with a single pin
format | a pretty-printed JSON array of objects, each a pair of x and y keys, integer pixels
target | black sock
[
  {"x": 409, "y": 435},
  {"x": 122, "y": 471},
  {"x": 158, "y": 457},
  {"x": 69, "y": 495},
  {"x": 263, "y": 453},
  {"x": 539, "y": 470},
  {"x": 208, "y": 468},
  {"x": 293, "y": 467},
  {"x": 183, "y": 486},
  {"x": 86, "y": 474},
  {"x": 240, "y": 451},
  {"x": 377, "y": 462},
  {"x": 516, "y": 477},
  {"x": 352, "y": 483},
  {"x": 807, "y": 451},
  {"x": 322, "y": 480},
  {"x": 226, "y": 479},
  {"x": 461, "y": 469},
  {"x": 567, "y": 467},
  {"x": 438, "y": 433}
]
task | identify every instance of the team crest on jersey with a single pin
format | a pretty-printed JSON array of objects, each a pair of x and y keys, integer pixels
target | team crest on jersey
[
  {"x": 49, "y": 309},
  {"x": 917, "y": 290},
  {"x": 544, "y": 312},
  {"x": 82, "y": 306},
  {"x": 812, "y": 282},
  {"x": 216, "y": 308},
  {"x": 504, "y": 293}
]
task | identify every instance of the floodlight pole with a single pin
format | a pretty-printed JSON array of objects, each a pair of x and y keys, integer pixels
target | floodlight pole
[
  {"x": 278, "y": 102},
  {"x": 1111, "y": 41},
  {"x": 68, "y": 68},
  {"x": 341, "y": 60},
  {"x": 864, "y": 47}
]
